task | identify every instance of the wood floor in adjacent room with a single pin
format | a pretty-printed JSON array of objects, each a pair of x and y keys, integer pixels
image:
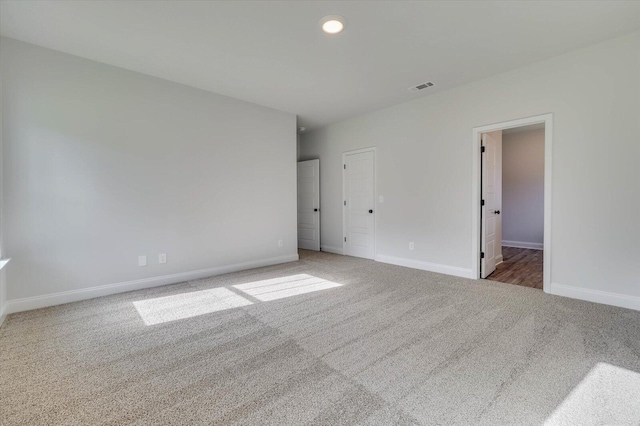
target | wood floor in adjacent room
[
  {"x": 520, "y": 267},
  {"x": 327, "y": 340}
]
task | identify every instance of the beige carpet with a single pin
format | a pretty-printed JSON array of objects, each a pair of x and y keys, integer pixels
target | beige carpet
[{"x": 326, "y": 340}]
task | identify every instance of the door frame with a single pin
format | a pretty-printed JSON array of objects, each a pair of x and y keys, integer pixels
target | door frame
[
  {"x": 476, "y": 189},
  {"x": 375, "y": 197}
]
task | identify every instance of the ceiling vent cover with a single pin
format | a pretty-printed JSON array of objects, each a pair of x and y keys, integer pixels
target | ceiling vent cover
[{"x": 421, "y": 86}]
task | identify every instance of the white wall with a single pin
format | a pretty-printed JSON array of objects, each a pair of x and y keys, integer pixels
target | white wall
[
  {"x": 3, "y": 280},
  {"x": 424, "y": 168},
  {"x": 523, "y": 188},
  {"x": 102, "y": 165}
]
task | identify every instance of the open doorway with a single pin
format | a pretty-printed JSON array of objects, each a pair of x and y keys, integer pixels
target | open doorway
[
  {"x": 513, "y": 209},
  {"x": 513, "y": 190},
  {"x": 309, "y": 205}
]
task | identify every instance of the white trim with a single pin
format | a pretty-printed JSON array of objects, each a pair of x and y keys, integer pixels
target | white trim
[
  {"x": 547, "y": 119},
  {"x": 499, "y": 259},
  {"x": 36, "y": 302},
  {"x": 375, "y": 197},
  {"x": 426, "y": 266},
  {"x": 4, "y": 262},
  {"x": 597, "y": 296},
  {"x": 334, "y": 250},
  {"x": 3, "y": 307},
  {"x": 522, "y": 244},
  {"x": 3, "y": 314}
]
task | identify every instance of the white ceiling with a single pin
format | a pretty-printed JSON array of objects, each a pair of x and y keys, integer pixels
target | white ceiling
[{"x": 274, "y": 54}]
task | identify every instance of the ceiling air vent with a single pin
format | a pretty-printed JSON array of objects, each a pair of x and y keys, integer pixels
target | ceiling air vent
[{"x": 421, "y": 86}]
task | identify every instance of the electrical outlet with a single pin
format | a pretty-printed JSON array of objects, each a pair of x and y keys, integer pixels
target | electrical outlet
[
  {"x": 142, "y": 260},
  {"x": 280, "y": 243},
  {"x": 162, "y": 258},
  {"x": 411, "y": 246}
]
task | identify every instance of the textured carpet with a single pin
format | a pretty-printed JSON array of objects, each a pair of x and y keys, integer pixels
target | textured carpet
[{"x": 325, "y": 340}]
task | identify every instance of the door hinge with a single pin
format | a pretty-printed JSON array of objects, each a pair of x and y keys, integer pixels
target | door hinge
[
  {"x": 345, "y": 203},
  {"x": 482, "y": 149},
  {"x": 345, "y": 239},
  {"x": 481, "y": 255},
  {"x": 482, "y": 202},
  {"x": 345, "y": 166}
]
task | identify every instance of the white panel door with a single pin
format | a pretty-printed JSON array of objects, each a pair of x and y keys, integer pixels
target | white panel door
[
  {"x": 309, "y": 205},
  {"x": 359, "y": 204},
  {"x": 488, "y": 237}
]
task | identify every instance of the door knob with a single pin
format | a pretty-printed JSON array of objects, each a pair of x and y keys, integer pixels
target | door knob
[
  {"x": 315, "y": 210},
  {"x": 497, "y": 212},
  {"x": 370, "y": 211}
]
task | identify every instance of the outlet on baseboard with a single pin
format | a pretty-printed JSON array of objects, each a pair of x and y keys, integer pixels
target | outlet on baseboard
[
  {"x": 280, "y": 243},
  {"x": 162, "y": 258},
  {"x": 142, "y": 260},
  {"x": 411, "y": 246}
]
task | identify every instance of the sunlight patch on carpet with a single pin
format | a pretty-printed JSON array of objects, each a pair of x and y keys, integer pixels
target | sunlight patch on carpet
[
  {"x": 608, "y": 395},
  {"x": 280, "y": 288},
  {"x": 187, "y": 305}
]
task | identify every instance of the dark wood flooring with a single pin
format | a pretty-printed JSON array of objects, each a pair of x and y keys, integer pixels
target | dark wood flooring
[{"x": 520, "y": 267}]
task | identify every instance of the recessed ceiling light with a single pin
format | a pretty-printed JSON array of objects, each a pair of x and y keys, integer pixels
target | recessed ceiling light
[{"x": 332, "y": 24}]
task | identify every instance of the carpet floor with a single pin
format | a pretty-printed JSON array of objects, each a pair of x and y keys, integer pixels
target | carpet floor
[{"x": 326, "y": 340}]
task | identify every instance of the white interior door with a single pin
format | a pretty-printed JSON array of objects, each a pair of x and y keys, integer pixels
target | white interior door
[
  {"x": 309, "y": 205},
  {"x": 359, "y": 203},
  {"x": 488, "y": 237}
]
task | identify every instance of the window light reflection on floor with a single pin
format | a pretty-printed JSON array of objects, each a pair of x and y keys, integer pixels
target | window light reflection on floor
[
  {"x": 279, "y": 288},
  {"x": 186, "y": 305},
  {"x": 607, "y": 395}
]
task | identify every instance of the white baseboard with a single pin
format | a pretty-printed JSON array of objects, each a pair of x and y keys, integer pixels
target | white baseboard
[
  {"x": 329, "y": 249},
  {"x": 523, "y": 244},
  {"x": 425, "y": 266},
  {"x": 499, "y": 259},
  {"x": 597, "y": 296},
  {"x": 36, "y": 302},
  {"x": 3, "y": 314}
]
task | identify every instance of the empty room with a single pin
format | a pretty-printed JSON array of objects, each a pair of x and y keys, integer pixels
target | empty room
[{"x": 319, "y": 212}]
